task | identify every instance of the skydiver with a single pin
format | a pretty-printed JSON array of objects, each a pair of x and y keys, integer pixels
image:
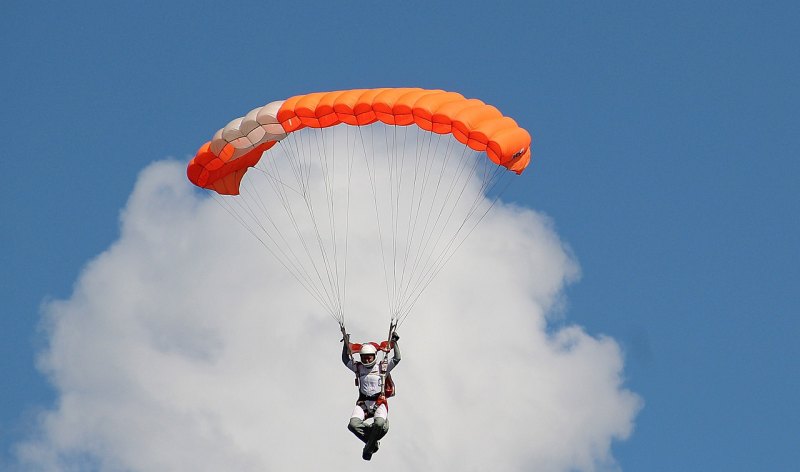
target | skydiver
[{"x": 373, "y": 382}]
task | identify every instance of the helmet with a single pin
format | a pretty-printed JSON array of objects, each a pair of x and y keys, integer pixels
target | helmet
[{"x": 368, "y": 350}]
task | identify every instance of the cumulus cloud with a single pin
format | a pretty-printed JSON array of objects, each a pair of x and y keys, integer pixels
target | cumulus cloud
[{"x": 171, "y": 356}]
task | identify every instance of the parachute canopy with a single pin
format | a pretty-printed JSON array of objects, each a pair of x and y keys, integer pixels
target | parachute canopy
[
  {"x": 221, "y": 163},
  {"x": 387, "y": 198}
]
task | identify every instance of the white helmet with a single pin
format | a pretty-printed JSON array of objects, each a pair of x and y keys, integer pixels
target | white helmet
[{"x": 368, "y": 350}]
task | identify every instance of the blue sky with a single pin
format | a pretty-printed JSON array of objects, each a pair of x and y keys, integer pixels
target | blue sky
[{"x": 665, "y": 152}]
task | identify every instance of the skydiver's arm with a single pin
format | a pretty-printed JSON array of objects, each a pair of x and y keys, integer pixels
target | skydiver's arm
[
  {"x": 347, "y": 354},
  {"x": 346, "y": 357},
  {"x": 396, "y": 348},
  {"x": 395, "y": 359},
  {"x": 395, "y": 338}
]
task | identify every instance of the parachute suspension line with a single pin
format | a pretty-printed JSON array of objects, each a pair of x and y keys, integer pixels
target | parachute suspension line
[
  {"x": 420, "y": 253},
  {"x": 331, "y": 274},
  {"x": 437, "y": 253},
  {"x": 285, "y": 202},
  {"x": 340, "y": 281},
  {"x": 415, "y": 207},
  {"x": 402, "y": 259},
  {"x": 428, "y": 166},
  {"x": 425, "y": 237},
  {"x": 441, "y": 255},
  {"x": 398, "y": 159},
  {"x": 313, "y": 218},
  {"x": 426, "y": 205},
  {"x": 260, "y": 204},
  {"x": 287, "y": 207},
  {"x": 390, "y": 174},
  {"x": 301, "y": 170},
  {"x": 262, "y": 168},
  {"x": 226, "y": 206},
  {"x": 328, "y": 177},
  {"x": 414, "y": 203},
  {"x": 396, "y": 168},
  {"x": 295, "y": 260},
  {"x": 304, "y": 185},
  {"x": 490, "y": 182},
  {"x": 395, "y": 198},
  {"x": 397, "y": 305},
  {"x": 462, "y": 166},
  {"x": 370, "y": 170},
  {"x": 446, "y": 260},
  {"x": 350, "y": 158},
  {"x": 340, "y": 276},
  {"x": 410, "y": 209},
  {"x": 397, "y": 213},
  {"x": 374, "y": 176},
  {"x": 292, "y": 150}
]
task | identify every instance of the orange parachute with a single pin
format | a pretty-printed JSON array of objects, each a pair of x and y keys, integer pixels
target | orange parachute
[
  {"x": 221, "y": 163},
  {"x": 306, "y": 198}
]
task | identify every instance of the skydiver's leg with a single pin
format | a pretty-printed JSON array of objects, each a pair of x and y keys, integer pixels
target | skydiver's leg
[
  {"x": 356, "y": 425},
  {"x": 358, "y": 428},
  {"x": 379, "y": 428}
]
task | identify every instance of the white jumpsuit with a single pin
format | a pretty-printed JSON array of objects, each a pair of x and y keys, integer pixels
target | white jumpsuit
[{"x": 369, "y": 381}]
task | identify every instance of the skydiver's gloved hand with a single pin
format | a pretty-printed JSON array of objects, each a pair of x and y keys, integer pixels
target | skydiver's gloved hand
[{"x": 395, "y": 337}]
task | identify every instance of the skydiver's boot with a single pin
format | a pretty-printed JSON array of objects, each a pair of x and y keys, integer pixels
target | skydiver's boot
[
  {"x": 369, "y": 447},
  {"x": 366, "y": 454}
]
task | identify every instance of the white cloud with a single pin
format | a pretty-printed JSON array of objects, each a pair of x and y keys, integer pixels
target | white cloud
[{"x": 186, "y": 347}]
